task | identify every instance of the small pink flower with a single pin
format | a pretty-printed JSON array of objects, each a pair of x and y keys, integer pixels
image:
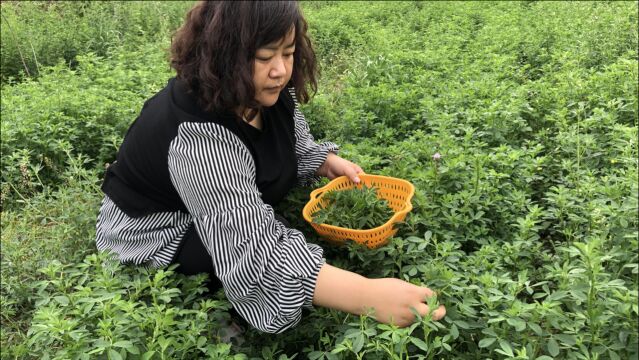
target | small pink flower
[{"x": 437, "y": 156}]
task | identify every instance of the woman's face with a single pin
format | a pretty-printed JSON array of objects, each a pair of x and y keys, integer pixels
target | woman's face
[{"x": 272, "y": 68}]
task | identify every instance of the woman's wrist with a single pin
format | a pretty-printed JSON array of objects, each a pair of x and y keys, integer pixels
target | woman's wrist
[
  {"x": 341, "y": 290},
  {"x": 323, "y": 169}
]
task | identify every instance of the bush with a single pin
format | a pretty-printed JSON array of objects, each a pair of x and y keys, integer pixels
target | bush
[
  {"x": 52, "y": 225},
  {"x": 98, "y": 308},
  {"x": 39, "y": 34},
  {"x": 70, "y": 112}
]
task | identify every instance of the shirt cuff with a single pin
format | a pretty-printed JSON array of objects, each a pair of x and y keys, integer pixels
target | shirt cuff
[
  {"x": 314, "y": 161},
  {"x": 310, "y": 281}
]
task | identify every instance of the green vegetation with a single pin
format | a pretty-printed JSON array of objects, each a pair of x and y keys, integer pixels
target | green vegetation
[
  {"x": 357, "y": 208},
  {"x": 39, "y": 34},
  {"x": 526, "y": 225}
]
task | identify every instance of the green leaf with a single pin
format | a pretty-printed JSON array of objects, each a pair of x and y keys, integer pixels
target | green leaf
[
  {"x": 412, "y": 271},
  {"x": 133, "y": 349},
  {"x": 114, "y": 355},
  {"x": 329, "y": 356},
  {"x": 314, "y": 355},
  {"x": 517, "y": 323},
  {"x": 419, "y": 343},
  {"x": 62, "y": 300},
  {"x": 486, "y": 342},
  {"x": 100, "y": 343},
  {"x": 557, "y": 295},
  {"x": 544, "y": 357},
  {"x": 496, "y": 319},
  {"x": 505, "y": 346},
  {"x": 462, "y": 324},
  {"x": 579, "y": 295},
  {"x": 613, "y": 355},
  {"x": 201, "y": 341},
  {"x": 536, "y": 328},
  {"x": 490, "y": 332},
  {"x": 122, "y": 344},
  {"x": 147, "y": 355},
  {"x": 553, "y": 347},
  {"x": 567, "y": 339},
  {"x": 454, "y": 332},
  {"x": 358, "y": 343},
  {"x": 352, "y": 333}
]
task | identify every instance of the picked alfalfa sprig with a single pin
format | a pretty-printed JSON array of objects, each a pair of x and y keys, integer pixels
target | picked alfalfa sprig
[{"x": 357, "y": 208}]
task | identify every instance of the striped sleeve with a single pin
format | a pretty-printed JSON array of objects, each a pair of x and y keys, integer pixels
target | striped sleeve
[
  {"x": 151, "y": 240},
  {"x": 310, "y": 155},
  {"x": 267, "y": 270}
]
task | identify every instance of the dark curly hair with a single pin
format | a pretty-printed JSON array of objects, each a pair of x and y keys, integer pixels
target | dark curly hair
[{"x": 213, "y": 51}]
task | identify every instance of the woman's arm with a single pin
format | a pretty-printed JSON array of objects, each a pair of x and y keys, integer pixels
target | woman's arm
[
  {"x": 267, "y": 270},
  {"x": 315, "y": 160},
  {"x": 310, "y": 155},
  {"x": 390, "y": 300}
]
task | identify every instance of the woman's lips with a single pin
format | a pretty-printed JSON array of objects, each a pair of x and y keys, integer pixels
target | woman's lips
[{"x": 275, "y": 88}]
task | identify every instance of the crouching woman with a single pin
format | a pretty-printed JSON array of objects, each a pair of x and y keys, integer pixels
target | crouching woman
[{"x": 209, "y": 156}]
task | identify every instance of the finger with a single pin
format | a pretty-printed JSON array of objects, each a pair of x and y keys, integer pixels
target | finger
[
  {"x": 439, "y": 313},
  {"x": 427, "y": 293},
  {"x": 350, "y": 172},
  {"x": 422, "y": 309}
]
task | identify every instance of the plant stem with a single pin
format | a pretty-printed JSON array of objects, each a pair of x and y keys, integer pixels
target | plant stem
[
  {"x": 477, "y": 166},
  {"x": 26, "y": 68}
]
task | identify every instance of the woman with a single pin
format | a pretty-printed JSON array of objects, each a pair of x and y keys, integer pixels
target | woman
[{"x": 199, "y": 172}]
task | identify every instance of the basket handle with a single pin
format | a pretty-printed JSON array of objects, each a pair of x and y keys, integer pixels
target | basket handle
[{"x": 316, "y": 193}]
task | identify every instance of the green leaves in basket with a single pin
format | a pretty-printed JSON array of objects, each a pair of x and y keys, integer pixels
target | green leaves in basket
[{"x": 354, "y": 209}]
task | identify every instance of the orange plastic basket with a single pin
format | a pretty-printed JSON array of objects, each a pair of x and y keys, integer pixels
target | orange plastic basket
[{"x": 397, "y": 192}]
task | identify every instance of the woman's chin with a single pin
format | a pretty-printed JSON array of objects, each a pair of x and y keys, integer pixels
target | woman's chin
[{"x": 267, "y": 100}]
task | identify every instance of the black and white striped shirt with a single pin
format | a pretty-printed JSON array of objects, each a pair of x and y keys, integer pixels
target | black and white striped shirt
[{"x": 268, "y": 270}]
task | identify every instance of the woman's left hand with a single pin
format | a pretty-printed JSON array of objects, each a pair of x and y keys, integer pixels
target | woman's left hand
[{"x": 334, "y": 166}]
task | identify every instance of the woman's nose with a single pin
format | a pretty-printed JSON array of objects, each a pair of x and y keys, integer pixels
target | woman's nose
[{"x": 278, "y": 68}]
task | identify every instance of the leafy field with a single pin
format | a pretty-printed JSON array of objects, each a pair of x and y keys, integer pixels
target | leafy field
[{"x": 526, "y": 223}]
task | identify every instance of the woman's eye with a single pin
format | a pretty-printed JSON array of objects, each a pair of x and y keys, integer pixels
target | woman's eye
[{"x": 268, "y": 58}]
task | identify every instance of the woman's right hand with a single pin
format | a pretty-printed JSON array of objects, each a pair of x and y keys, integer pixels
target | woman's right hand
[
  {"x": 391, "y": 301},
  {"x": 388, "y": 300}
]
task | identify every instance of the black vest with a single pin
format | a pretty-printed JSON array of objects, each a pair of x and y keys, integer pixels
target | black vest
[{"x": 139, "y": 182}]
